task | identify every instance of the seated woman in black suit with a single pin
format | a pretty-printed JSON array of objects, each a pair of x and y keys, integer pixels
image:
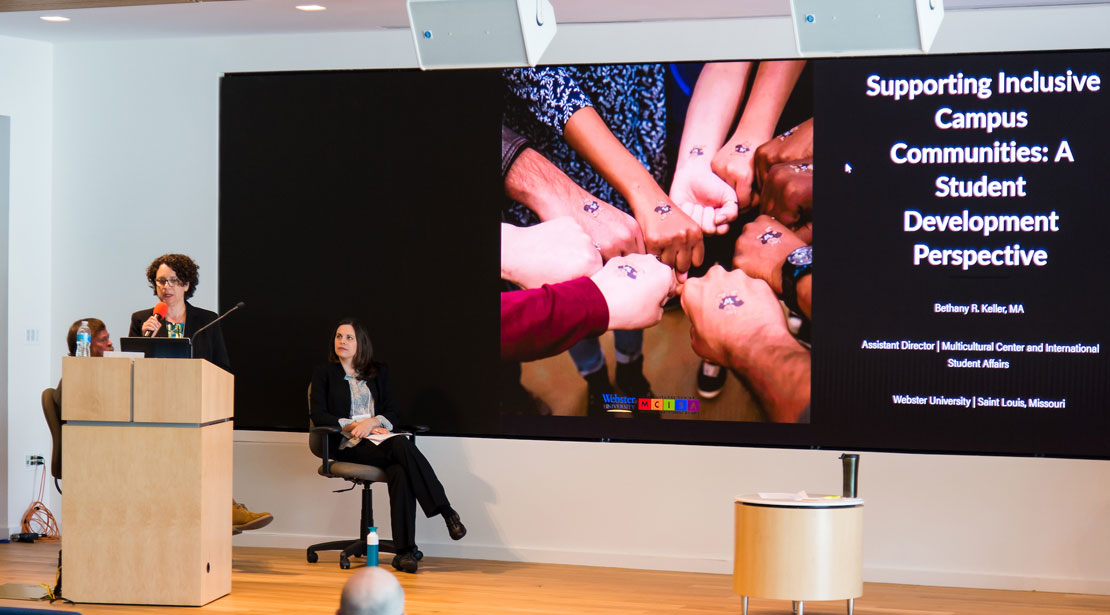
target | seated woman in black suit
[
  {"x": 173, "y": 277},
  {"x": 354, "y": 386}
]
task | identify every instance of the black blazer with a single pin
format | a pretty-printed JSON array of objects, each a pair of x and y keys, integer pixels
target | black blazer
[
  {"x": 210, "y": 344},
  {"x": 331, "y": 396}
]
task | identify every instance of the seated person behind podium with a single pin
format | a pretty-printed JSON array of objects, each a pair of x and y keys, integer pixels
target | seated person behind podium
[
  {"x": 100, "y": 342},
  {"x": 173, "y": 277},
  {"x": 354, "y": 386}
]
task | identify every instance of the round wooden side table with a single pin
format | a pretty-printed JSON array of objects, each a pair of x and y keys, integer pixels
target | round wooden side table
[{"x": 798, "y": 548}]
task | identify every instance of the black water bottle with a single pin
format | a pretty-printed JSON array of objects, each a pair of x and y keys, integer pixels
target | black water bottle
[{"x": 851, "y": 475}]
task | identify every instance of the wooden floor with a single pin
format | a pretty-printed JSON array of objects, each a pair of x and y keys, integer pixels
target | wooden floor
[{"x": 279, "y": 582}]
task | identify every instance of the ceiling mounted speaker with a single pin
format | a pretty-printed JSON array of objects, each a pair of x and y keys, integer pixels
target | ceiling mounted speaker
[
  {"x": 480, "y": 33},
  {"x": 855, "y": 27}
]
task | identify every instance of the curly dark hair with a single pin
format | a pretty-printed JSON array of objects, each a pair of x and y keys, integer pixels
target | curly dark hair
[
  {"x": 365, "y": 365},
  {"x": 185, "y": 268}
]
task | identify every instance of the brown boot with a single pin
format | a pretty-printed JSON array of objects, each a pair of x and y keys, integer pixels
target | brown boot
[{"x": 243, "y": 519}]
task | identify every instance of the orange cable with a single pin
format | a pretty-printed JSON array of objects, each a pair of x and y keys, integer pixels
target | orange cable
[{"x": 38, "y": 518}]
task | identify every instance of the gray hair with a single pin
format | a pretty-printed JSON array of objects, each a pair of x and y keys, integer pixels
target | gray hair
[{"x": 372, "y": 591}]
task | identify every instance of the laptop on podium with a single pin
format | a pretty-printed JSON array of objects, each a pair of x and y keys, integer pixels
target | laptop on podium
[{"x": 158, "y": 347}]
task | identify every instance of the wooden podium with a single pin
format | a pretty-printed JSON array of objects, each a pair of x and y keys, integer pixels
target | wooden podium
[{"x": 147, "y": 452}]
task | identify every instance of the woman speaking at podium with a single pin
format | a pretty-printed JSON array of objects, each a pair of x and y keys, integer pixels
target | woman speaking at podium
[
  {"x": 173, "y": 277},
  {"x": 353, "y": 392}
]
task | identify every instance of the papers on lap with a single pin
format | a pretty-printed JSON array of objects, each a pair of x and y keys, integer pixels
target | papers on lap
[{"x": 374, "y": 438}]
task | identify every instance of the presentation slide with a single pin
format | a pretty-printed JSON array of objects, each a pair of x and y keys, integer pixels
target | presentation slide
[{"x": 879, "y": 253}]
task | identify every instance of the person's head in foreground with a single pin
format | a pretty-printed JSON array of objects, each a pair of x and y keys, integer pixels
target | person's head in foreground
[{"x": 372, "y": 591}]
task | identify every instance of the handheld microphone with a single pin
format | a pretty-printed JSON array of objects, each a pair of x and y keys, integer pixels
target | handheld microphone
[
  {"x": 160, "y": 311},
  {"x": 222, "y": 316}
]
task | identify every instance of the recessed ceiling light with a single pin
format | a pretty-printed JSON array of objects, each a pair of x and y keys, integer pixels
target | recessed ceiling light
[
  {"x": 311, "y": 7},
  {"x": 54, "y": 18}
]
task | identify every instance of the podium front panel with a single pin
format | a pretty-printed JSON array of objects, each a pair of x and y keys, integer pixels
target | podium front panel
[
  {"x": 147, "y": 513},
  {"x": 182, "y": 391},
  {"x": 96, "y": 389}
]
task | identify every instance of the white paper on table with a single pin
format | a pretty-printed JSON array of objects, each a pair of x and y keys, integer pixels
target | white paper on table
[{"x": 799, "y": 496}]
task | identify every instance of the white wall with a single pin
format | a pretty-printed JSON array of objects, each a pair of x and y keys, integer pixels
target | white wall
[
  {"x": 5, "y": 191},
  {"x": 26, "y": 83},
  {"x": 135, "y": 174},
  {"x": 136, "y": 163},
  {"x": 997, "y": 522}
]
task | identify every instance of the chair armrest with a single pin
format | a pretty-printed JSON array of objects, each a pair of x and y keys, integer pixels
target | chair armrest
[
  {"x": 415, "y": 428},
  {"x": 326, "y": 430}
]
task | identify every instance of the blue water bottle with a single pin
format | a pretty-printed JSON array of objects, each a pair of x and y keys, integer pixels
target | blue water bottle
[{"x": 372, "y": 546}]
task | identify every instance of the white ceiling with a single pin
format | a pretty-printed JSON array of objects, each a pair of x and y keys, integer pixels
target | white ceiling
[{"x": 244, "y": 17}]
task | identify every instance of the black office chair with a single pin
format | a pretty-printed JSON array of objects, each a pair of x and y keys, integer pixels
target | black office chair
[
  {"x": 51, "y": 408},
  {"x": 357, "y": 474}
]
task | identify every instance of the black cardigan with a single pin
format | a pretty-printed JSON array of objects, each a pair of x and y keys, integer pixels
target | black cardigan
[
  {"x": 209, "y": 345},
  {"x": 331, "y": 395}
]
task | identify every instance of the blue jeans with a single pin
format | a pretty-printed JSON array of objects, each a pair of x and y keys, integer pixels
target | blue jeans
[{"x": 589, "y": 358}]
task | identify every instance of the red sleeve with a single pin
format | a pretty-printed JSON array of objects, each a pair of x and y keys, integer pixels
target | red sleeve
[{"x": 545, "y": 321}]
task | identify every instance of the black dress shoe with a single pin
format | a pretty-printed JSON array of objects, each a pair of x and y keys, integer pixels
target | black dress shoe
[
  {"x": 405, "y": 562},
  {"x": 454, "y": 525}
]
